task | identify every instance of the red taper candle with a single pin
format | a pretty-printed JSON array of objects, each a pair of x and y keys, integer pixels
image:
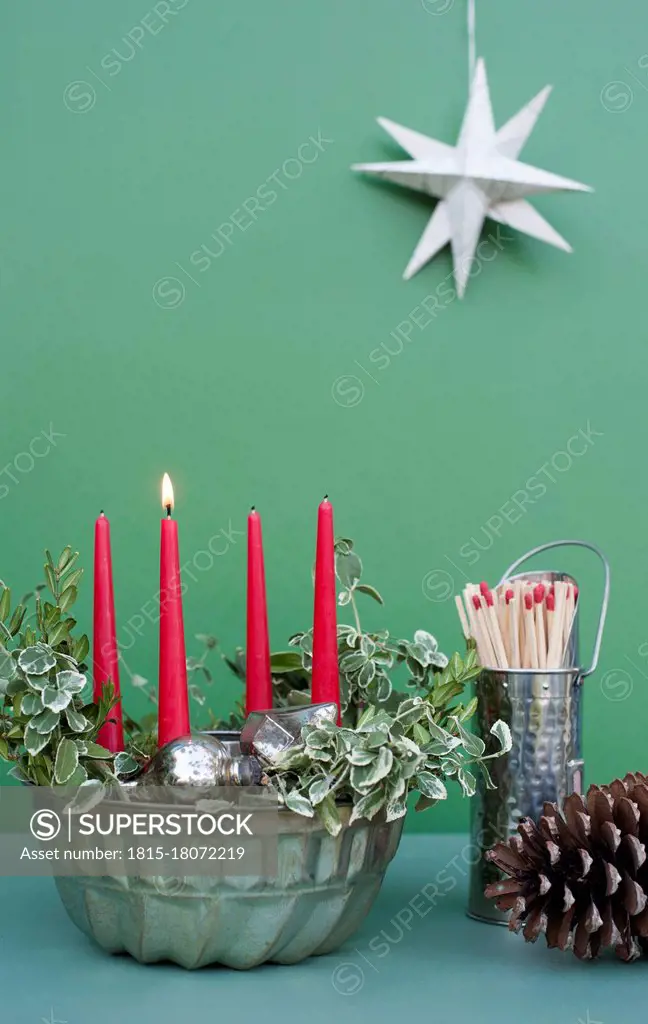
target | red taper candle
[
  {"x": 105, "y": 654},
  {"x": 258, "y": 679},
  {"x": 326, "y": 679},
  {"x": 173, "y": 695}
]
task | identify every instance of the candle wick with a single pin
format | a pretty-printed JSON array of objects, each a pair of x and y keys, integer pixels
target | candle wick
[
  {"x": 101, "y": 513},
  {"x": 253, "y": 508},
  {"x": 325, "y": 497},
  {"x": 168, "y": 508}
]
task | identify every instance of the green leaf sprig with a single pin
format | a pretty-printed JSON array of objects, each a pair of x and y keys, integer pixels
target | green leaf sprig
[
  {"x": 49, "y": 722},
  {"x": 369, "y": 661},
  {"x": 375, "y": 765}
]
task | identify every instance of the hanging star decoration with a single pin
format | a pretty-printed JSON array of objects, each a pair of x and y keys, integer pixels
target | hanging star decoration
[
  {"x": 52, "y": 1019},
  {"x": 480, "y": 177}
]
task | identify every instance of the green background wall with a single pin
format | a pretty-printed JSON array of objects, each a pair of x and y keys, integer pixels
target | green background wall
[{"x": 260, "y": 386}]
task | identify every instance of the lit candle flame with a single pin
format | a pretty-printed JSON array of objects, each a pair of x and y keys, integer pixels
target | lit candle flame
[{"x": 167, "y": 492}]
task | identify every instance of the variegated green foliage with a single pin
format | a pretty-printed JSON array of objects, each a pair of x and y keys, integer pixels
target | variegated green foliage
[
  {"x": 49, "y": 723},
  {"x": 375, "y": 765},
  {"x": 48, "y": 720},
  {"x": 369, "y": 662}
]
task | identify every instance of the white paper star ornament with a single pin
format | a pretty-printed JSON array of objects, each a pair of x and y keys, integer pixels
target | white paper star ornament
[{"x": 480, "y": 177}]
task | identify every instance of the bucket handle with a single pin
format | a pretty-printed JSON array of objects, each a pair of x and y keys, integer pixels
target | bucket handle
[{"x": 606, "y": 586}]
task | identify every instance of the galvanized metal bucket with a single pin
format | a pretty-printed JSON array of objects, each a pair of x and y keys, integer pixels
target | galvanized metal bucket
[{"x": 544, "y": 712}]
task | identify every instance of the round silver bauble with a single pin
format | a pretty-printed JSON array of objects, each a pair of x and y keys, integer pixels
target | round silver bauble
[{"x": 198, "y": 761}]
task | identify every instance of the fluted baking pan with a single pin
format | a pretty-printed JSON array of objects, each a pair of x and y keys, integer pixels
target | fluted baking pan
[{"x": 323, "y": 889}]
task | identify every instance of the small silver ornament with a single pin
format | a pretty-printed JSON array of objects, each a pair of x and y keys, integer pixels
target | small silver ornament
[
  {"x": 267, "y": 734},
  {"x": 199, "y": 761}
]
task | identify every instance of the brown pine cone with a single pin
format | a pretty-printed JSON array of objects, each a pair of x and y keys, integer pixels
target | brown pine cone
[{"x": 581, "y": 876}]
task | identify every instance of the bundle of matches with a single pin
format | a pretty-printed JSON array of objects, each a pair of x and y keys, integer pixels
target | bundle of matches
[{"x": 522, "y": 623}]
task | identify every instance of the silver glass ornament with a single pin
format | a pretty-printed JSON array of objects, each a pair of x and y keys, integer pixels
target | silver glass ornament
[
  {"x": 267, "y": 734},
  {"x": 199, "y": 761}
]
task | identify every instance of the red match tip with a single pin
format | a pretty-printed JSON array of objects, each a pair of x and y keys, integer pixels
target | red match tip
[
  {"x": 528, "y": 602},
  {"x": 539, "y": 593},
  {"x": 483, "y": 586},
  {"x": 489, "y": 598},
  {"x": 509, "y": 595},
  {"x": 551, "y": 602},
  {"x": 476, "y": 602}
]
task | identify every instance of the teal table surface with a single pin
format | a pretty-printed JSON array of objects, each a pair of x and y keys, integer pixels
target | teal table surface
[{"x": 417, "y": 956}]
